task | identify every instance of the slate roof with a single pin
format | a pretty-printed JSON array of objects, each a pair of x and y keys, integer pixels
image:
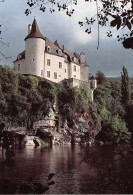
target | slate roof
[
  {"x": 54, "y": 47},
  {"x": 22, "y": 56},
  {"x": 35, "y": 32},
  {"x": 69, "y": 53}
]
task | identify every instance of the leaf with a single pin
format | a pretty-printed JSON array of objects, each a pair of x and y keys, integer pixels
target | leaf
[
  {"x": 132, "y": 21},
  {"x": 51, "y": 183},
  {"x": 118, "y": 24},
  {"x": 129, "y": 25},
  {"x": 131, "y": 33},
  {"x": 123, "y": 14},
  {"x": 113, "y": 23}
]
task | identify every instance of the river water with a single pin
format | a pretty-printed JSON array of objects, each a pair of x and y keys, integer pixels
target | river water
[{"x": 75, "y": 172}]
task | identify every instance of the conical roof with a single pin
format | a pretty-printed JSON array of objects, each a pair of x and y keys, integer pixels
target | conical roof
[{"x": 35, "y": 32}]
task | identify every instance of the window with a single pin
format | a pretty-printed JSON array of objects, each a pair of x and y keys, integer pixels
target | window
[
  {"x": 55, "y": 75},
  {"x": 48, "y": 73},
  {"x": 59, "y": 51},
  {"x": 42, "y": 72},
  {"x": 75, "y": 60},
  {"x": 60, "y": 64},
  {"x": 65, "y": 57},
  {"x": 75, "y": 68},
  {"x": 48, "y": 62},
  {"x": 65, "y": 70},
  {"x": 18, "y": 67},
  {"x": 19, "y": 57},
  {"x": 74, "y": 75},
  {"x": 49, "y": 49},
  {"x": 59, "y": 75}
]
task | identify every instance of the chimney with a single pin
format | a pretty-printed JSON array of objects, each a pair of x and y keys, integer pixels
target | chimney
[
  {"x": 63, "y": 48},
  {"x": 29, "y": 29}
]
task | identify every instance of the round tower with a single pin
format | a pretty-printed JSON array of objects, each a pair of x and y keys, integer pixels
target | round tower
[{"x": 34, "y": 51}]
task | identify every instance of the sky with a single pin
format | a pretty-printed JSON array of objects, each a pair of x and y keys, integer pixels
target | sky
[{"x": 109, "y": 58}]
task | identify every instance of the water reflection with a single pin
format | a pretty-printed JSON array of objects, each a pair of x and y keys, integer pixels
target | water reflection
[{"x": 72, "y": 174}]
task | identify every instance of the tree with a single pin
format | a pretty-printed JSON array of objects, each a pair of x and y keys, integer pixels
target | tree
[
  {"x": 119, "y": 12},
  {"x": 100, "y": 77},
  {"x": 112, "y": 112},
  {"x": 125, "y": 87},
  {"x": 2, "y": 42}
]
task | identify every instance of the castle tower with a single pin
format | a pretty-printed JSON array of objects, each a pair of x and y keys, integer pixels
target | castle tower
[
  {"x": 34, "y": 51},
  {"x": 84, "y": 71}
]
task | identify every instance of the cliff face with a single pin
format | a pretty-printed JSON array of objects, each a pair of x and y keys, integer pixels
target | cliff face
[{"x": 61, "y": 133}]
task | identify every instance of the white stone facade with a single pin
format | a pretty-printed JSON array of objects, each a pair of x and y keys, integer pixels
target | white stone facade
[
  {"x": 34, "y": 56},
  {"x": 50, "y": 60}
]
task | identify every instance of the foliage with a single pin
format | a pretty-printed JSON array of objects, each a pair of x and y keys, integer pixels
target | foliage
[
  {"x": 125, "y": 87},
  {"x": 100, "y": 77},
  {"x": 119, "y": 12},
  {"x": 112, "y": 112},
  {"x": 73, "y": 103},
  {"x": 24, "y": 99}
]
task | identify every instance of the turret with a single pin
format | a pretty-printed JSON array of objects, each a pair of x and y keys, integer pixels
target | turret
[
  {"x": 82, "y": 58},
  {"x": 34, "y": 51},
  {"x": 84, "y": 68},
  {"x": 93, "y": 84}
]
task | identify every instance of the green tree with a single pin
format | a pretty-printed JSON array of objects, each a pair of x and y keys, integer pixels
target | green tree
[
  {"x": 112, "y": 112},
  {"x": 3, "y": 106},
  {"x": 125, "y": 87},
  {"x": 100, "y": 77}
]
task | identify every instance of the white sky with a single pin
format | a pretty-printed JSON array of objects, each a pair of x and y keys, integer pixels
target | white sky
[{"x": 109, "y": 58}]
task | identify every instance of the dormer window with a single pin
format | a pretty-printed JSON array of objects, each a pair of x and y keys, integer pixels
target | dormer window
[
  {"x": 74, "y": 59},
  {"x": 59, "y": 52},
  {"x": 19, "y": 57},
  {"x": 48, "y": 49},
  {"x": 65, "y": 57}
]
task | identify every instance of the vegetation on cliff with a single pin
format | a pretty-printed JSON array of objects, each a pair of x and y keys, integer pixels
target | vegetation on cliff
[
  {"x": 114, "y": 107},
  {"x": 26, "y": 99}
]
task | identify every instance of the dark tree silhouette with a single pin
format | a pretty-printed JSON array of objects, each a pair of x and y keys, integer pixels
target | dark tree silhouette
[
  {"x": 113, "y": 13},
  {"x": 2, "y": 42},
  {"x": 100, "y": 77},
  {"x": 125, "y": 87}
]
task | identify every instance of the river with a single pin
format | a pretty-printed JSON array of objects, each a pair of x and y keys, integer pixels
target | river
[{"x": 76, "y": 171}]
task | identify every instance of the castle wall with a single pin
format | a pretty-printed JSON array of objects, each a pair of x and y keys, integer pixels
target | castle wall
[
  {"x": 66, "y": 69},
  {"x": 74, "y": 71},
  {"x": 54, "y": 68},
  {"x": 21, "y": 64},
  {"x": 34, "y": 55}
]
